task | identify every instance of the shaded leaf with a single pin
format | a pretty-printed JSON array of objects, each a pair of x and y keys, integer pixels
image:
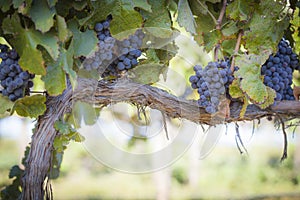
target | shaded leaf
[
  {"x": 84, "y": 43},
  {"x": 148, "y": 73},
  {"x": 42, "y": 15},
  {"x": 270, "y": 99},
  {"x": 62, "y": 29},
  {"x": 239, "y": 9},
  {"x": 5, "y": 103},
  {"x": 15, "y": 171},
  {"x": 84, "y": 112},
  {"x": 185, "y": 16},
  {"x": 158, "y": 18},
  {"x": 55, "y": 79},
  {"x": 30, "y": 106},
  {"x": 25, "y": 41},
  {"x": 235, "y": 90}
]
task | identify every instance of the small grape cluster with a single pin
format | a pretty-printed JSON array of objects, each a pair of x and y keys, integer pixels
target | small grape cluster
[
  {"x": 14, "y": 81},
  {"x": 278, "y": 71},
  {"x": 114, "y": 56},
  {"x": 128, "y": 51},
  {"x": 104, "y": 55},
  {"x": 212, "y": 83}
]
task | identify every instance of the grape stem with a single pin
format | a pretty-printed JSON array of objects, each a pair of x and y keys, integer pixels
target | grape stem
[
  {"x": 218, "y": 28},
  {"x": 220, "y": 19},
  {"x": 38, "y": 92},
  {"x": 236, "y": 49},
  {"x": 285, "y": 144}
]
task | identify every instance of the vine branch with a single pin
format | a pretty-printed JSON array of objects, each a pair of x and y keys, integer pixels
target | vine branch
[
  {"x": 236, "y": 49},
  {"x": 218, "y": 28}
]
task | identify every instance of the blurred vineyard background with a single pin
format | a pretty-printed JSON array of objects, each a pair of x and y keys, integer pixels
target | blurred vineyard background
[{"x": 223, "y": 173}]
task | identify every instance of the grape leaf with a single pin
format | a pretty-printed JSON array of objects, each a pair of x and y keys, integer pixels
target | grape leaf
[
  {"x": 125, "y": 17},
  {"x": 244, "y": 107},
  {"x": 51, "y": 3},
  {"x": 228, "y": 46},
  {"x": 84, "y": 111},
  {"x": 270, "y": 99},
  {"x": 235, "y": 90},
  {"x": 56, "y": 164},
  {"x": 239, "y": 10},
  {"x": 249, "y": 71},
  {"x": 66, "y": 60},
  {"x": 213, "y": 1},
  {"x": 158, "y": 18},
  {"x": 295, "y": 26},
  {"x": 42, "y": 15},
  {"x": 148, "y": 73},
  {"x": 25, "y": 41},
  {"x": 143, "y": 4},
  {"x": 5, "y": 5},
  {"x": 55, "y": 79},
  {"x": 15, "y": 171},
  {"x": 265, "y": 30},
  {"x": 84, "y": 43},
  {"x": 62, "y": 127},
  {"x": 5, "y": 103},
  {"x": 30, "y": 106},
  {"x": 230, "y": 28},
  {"x": 185, "y": 16},
  {"x": 124, "y": 20},
  {"x": 211, "y": 39},
  {"x": 63, "y": 32},
  {"x": 17, "y": 3}
]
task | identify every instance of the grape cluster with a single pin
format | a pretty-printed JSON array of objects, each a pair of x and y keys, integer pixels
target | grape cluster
[
  {"x": 14, "y": 81},
  {"x": 114, "y": 56},
  {"x": 128, "y": 51},
  {"x": 212, "y": 83},
  {"x": 278, "y": 71},
  {"x": 104, "y": 55}
]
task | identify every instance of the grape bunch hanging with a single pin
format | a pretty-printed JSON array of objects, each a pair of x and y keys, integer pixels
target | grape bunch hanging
[
  {"x": 278, "y": 71},
  {"x": 15, "y": 82},
  {"x": 212, "y": 84},
  {"x": 114, "y": 56}
]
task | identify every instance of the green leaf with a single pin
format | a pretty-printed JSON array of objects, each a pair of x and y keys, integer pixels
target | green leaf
[
  {"x": 125, "y": 20},
  {"x": 17, "y": 3},
  {"x": 265, "y": 30},
  {"x": 249, "y": 71},
  {"x": 230, "y": 28},
  {"x": 244, "y": 107},
  {"x": 143, "y": 4},
  {"x": 270, "y": 99},
  {"x": 5, "y": 5},
  {"x": 66, "y": 60},
  {"x": 15, "y": 171},
  {"x": 84, "y": 43},
  {"x": 228, "y": 46},
  {"x": 239, "y": 10},
  {"x": 211, "y": 39},
  {"x": 63, "y": 32},
  {"x": 148, "y": 73},
  {"x": 42, "y": 15},
  {"x": 56, "y": 164},
  {"x": 55, "y": 79},
  {"x": 125, "y": 16},
  {"x": 60, "y": 143},
  {"x": 158, "y": 18},
  {"x": 185, "y": 16},
  {"x": 25, "y": 41},
  {"x": 5, "y": 103},
  {"x": 255, "y": 89},
  {"x": 235, "y": 90},
  {"x": 84, "y": 111},
  {"x": 62, "y": 127},
  {"x": 30, "y": 106}
]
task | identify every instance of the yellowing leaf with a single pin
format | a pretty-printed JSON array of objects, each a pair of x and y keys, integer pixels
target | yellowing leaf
[{"x": 30, "y": 106}]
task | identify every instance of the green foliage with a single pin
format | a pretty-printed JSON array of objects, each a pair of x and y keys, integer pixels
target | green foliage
[
  {"x": 6, "y": 104},
  {"x": 30, "y": 106},
  {"x": 84, "y": 113},
  {"x": 252, "y": 83}
]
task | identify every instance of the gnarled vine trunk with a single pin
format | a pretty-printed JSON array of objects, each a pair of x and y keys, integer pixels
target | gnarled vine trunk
[{"x": 104, "y": 93}]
